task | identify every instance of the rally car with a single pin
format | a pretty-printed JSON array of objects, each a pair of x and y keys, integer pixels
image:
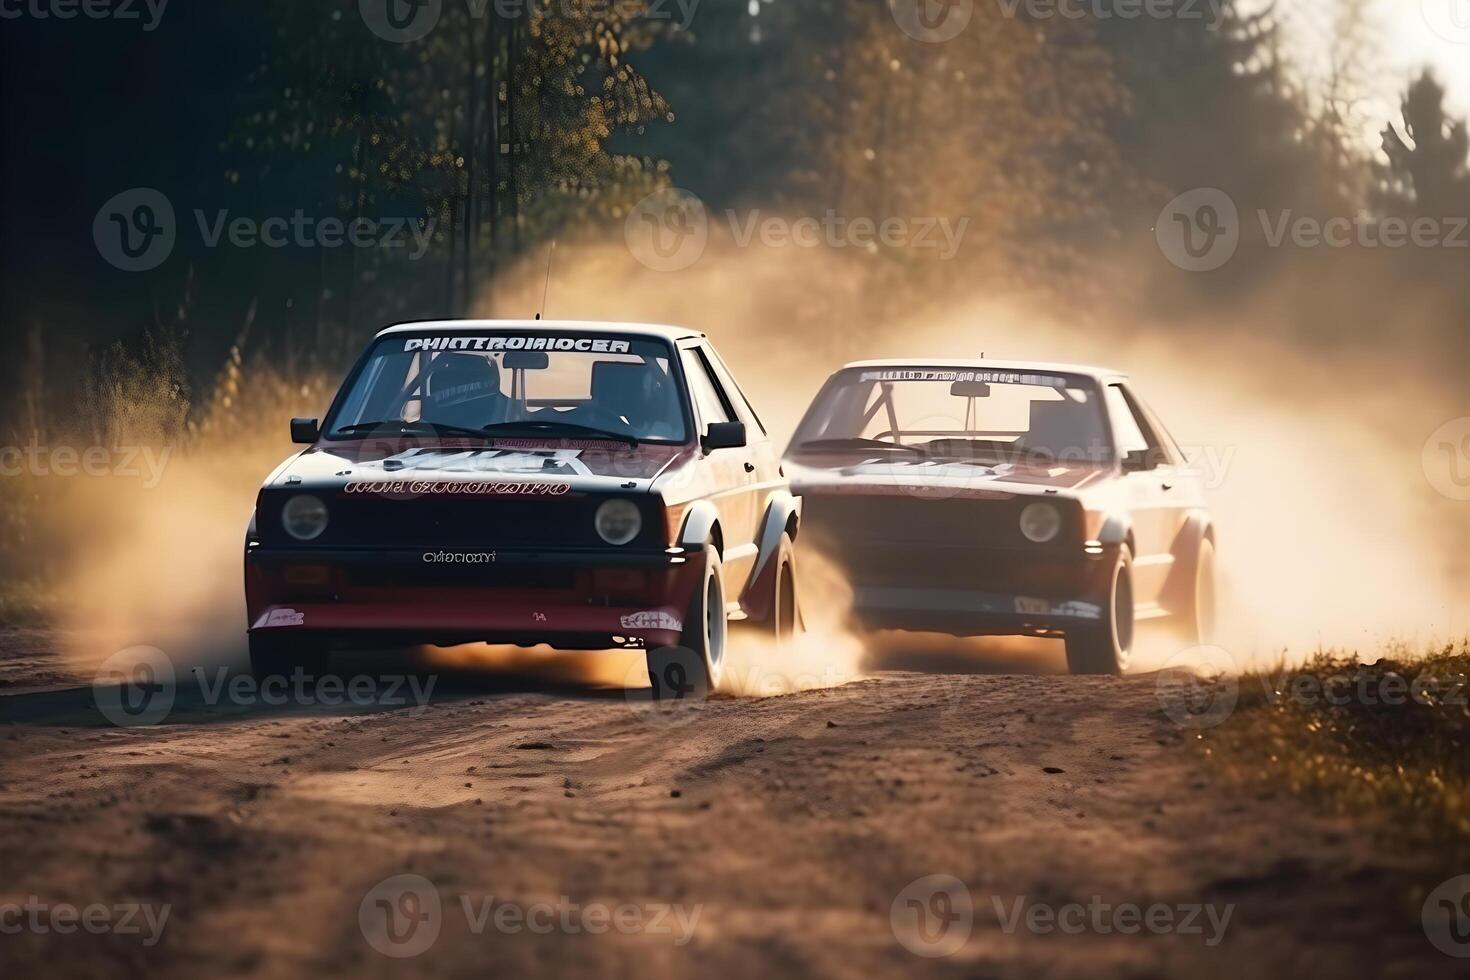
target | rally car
[
  {"x": 985, "y": 497},
  {"x": 583, "y": 485}
]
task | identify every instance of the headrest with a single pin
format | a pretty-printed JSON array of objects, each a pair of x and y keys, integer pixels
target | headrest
[{"x": 621, "y": 378}]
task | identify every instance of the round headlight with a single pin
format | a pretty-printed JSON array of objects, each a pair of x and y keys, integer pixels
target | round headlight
[
  {"x": 304, "y": 517},
  {"x": 618, "y": 521},
  {"x": 1041, "y": 522}
]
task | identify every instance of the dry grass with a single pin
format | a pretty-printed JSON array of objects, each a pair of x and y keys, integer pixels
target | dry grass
[{"x": 1387, "y": 741}]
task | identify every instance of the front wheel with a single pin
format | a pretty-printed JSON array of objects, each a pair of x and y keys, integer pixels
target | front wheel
[
  {"x": 692, "y": 669},
  {"x": 1202, "y": 613},
  {"x": 782, "y": 620},
  {"x": 1104, "y": 648}
]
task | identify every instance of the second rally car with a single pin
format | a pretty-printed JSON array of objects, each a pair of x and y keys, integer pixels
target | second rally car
[
  {"x": 986, "y": 497},
  {"x": 579, "y": 484}
]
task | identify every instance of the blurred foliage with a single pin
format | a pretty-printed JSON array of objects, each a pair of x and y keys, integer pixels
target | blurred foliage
[
  {"x": 1057, "y": 139},
  {"x": 1387, "y": 754},
  {"x": 496, "y": 128}
]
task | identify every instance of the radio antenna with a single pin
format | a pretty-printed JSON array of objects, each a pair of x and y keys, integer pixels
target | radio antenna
[{"x": 545, "y": 289}]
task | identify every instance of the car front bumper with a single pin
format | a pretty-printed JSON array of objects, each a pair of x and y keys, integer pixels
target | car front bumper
[
  {"x": 969, "y": 591},
  {"x": 573, "y": 599}
]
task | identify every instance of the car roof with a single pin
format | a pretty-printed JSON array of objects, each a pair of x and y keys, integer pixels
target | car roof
[
  {"x": 551, "y": 326},
  {"x": 985, "y": 364}
]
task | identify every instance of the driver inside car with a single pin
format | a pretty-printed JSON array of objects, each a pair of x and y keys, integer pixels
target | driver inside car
[
  {"x": 634, "y": 395},
  {"x": 464, "y": 390}
]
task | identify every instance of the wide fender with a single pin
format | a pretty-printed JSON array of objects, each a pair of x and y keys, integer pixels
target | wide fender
[
  {"x": 783, "y": 514},
  {"x": 699, "y": 526},
  {"x": 1178, "y": 592},
  {"x": 1116, "y": 529}
]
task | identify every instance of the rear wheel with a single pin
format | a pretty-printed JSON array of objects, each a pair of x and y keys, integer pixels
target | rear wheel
[
  {"x": 692, "y": 670},
  {"x": 1104, "y": 648},
  {"x": 275, "y": 656}
]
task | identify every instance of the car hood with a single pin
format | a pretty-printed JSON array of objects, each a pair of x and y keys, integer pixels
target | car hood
[
  {"x": 860, "y": 472},
  {"x": 587, "y": 466}
]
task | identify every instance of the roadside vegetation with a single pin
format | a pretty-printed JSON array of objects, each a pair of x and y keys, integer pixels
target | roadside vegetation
[{"x": 1387, "y": 741}]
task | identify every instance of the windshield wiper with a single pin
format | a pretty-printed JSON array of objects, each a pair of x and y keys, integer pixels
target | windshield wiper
[
  {"x": 403, "y": 427},
  {"x": 542, "y": 427},
  {"x": 837, "y": 445}
]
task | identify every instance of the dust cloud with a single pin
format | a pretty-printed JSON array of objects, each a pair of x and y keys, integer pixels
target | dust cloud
[{"x": 1330, "y": 534}]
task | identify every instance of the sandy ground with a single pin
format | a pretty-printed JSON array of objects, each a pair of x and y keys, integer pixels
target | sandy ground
[{"x": 771, "y": 837}]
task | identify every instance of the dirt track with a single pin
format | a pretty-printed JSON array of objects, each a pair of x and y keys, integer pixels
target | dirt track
[{"x": 783, "y": 830}]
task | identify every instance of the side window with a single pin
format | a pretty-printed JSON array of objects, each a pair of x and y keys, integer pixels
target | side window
[
  {"x": 702, "y": 387},
  {"x": 722, "y": 371},
  {"x": 1127, "y": 432}
]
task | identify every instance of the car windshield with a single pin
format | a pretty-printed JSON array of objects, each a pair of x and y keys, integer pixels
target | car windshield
[
  {"x": 533, "y": 384},
  {"x": 960, "y": 414}
]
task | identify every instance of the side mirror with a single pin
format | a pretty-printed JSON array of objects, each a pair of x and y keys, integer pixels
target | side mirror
[
  {"x": 304, "y": 432},
  {"x": 724, "y": 435},
  {"x": 1139, "y": 461}
]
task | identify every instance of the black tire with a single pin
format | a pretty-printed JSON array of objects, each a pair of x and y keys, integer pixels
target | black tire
[
  {"x": 1105, "y": 647},
  {"x": 1201, "y": 618},
  {"x": 692, "y": 670},
  {"x": 273, "y": 656},
  {"x": 783, "y": 620}
]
